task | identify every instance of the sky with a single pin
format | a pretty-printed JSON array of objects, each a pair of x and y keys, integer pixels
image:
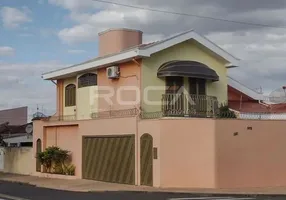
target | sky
[{"x": 37, "y": 36}]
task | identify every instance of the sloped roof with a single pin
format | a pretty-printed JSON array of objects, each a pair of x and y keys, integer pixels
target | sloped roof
[
  {"x": 245, "y": 89},
  {"x": 140, "y": 51},
  {"x": 265, "y": 107}
]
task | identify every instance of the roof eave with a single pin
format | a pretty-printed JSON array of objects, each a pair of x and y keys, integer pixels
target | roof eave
[
  {"x": 188, "y": 35},
  {"x": 93, "y": 65},
  {"x": 231, "y": 65}
]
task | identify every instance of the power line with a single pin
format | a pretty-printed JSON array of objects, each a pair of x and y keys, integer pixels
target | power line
[{"x": 190, "y": 15}]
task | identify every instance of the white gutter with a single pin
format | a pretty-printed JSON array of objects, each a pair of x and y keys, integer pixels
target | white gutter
[{"x": 91, "y": 65}]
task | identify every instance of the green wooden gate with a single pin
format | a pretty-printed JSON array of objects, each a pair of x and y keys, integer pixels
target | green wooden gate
[
  {"x": 146, "y": 160},
  {"x": 109, "y": 159},
  {"x": 38, "y": 150}
]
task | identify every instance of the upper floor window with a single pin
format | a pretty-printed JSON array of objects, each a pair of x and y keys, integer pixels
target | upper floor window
[
  {"x": 197, "y": 86},
  {"x": 86, "y": 80},
  {"x": 70, "y": 95}
]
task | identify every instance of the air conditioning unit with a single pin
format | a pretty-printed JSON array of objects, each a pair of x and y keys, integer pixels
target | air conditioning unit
[{"x": 113, "y": 72}]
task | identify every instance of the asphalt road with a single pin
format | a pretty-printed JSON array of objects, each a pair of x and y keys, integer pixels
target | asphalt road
[{"x": 34, "y": 193}]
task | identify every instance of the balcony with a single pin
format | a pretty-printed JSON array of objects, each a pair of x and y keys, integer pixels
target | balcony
[{"x": 186, "y": 105}]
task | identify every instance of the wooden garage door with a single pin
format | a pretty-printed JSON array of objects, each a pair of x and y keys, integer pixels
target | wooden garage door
[{"x": 109, "y": 158}]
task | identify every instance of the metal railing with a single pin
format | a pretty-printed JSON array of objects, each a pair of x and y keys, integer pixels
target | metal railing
[
  {"x": 115, "y": 114},
  {"x": 62, "y": 118},
  {"x": 187, "y": 105},
  {"x": 260, "y": 116}
]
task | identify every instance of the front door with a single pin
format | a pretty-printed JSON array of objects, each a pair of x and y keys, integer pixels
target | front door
[
  {"x": 146, "y": 160},
  {"x": 174, "y": 99},
  {"x": 198, "y": 99},
  {"x": 38, "y": 150}
]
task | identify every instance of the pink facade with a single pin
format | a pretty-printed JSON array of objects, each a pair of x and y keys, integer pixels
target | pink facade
[
  {"x": 192, "y": 153},
  {"x": 188, "y": 153},
  {"x": 127, "y": 88},
  {"x": 68, "y": 135},
  {"x": 253, "y": 158}
]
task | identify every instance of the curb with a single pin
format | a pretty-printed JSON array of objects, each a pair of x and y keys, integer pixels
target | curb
[{"x": 8, "y": 197}]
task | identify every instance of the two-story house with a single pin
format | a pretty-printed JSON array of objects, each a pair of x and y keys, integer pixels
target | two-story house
[{"x": 105, "y": 108}]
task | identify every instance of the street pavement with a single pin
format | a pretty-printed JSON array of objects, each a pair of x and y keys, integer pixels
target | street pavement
[{"x": 29, "y": 192}]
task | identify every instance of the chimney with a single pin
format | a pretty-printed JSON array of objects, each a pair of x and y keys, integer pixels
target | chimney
[{"x": 115, "y": 40}]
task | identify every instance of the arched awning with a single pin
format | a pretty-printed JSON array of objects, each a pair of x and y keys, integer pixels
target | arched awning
[{"x": 191, "y": 69}]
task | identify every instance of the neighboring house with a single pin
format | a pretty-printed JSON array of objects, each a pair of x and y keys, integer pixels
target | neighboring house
[
  {"x": 251, "y": 104},
  {"x": 15, "y": 116},
  {"x": 117, "y": 116},
  {"x": 13, "y": 123},
  {"x": 17, "y": 135},
  {"x": 14, "y": 160},
  {"x": 243, "y": 99}
]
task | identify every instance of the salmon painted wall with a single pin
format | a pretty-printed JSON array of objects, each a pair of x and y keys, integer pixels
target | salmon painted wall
[
  {"x": 65, "y": 137},
  {"x": 60, "y": 97},
  {"x": 38, "y": 133},
  {"x": 126, "y": 88},
  {"x": 187, "y": 153},
  {"x": 153, "y": 128},
  {"x": 68, "y": 135},
  {"x": 192, "y": 153},
  {"x": 189, "y": 50},
  {"x": 253, "y": 158},
  {"x": 50, "y": 136}
]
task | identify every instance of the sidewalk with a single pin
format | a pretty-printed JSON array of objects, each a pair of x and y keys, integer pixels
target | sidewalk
[{"x": 95, "y": 186}]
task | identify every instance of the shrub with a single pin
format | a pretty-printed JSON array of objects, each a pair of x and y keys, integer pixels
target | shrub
[
  {"x": 70, "y": 170},
  {"x": 225, "y": 112},
  {"x": 45, "y": 158},
  {"x": 54, "y": 159}
]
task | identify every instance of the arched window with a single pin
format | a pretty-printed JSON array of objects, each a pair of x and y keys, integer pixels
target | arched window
[
  {"x": 70, "y": 95},
  {"x": 86, "y": 80}
]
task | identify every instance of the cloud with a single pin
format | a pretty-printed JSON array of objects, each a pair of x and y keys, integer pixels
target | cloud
[
  {"x": 7, "y": 51},
  {"x": 261, "y": 49},
  {"x": 76, "y": 51},
  {"x": 13, "y": 17},
  {"x": 262, "y": 53},
  {"x": 80, "y": 33},
  {"x": 26, "y": 87},
  {"x": 76, "y": 5}
]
